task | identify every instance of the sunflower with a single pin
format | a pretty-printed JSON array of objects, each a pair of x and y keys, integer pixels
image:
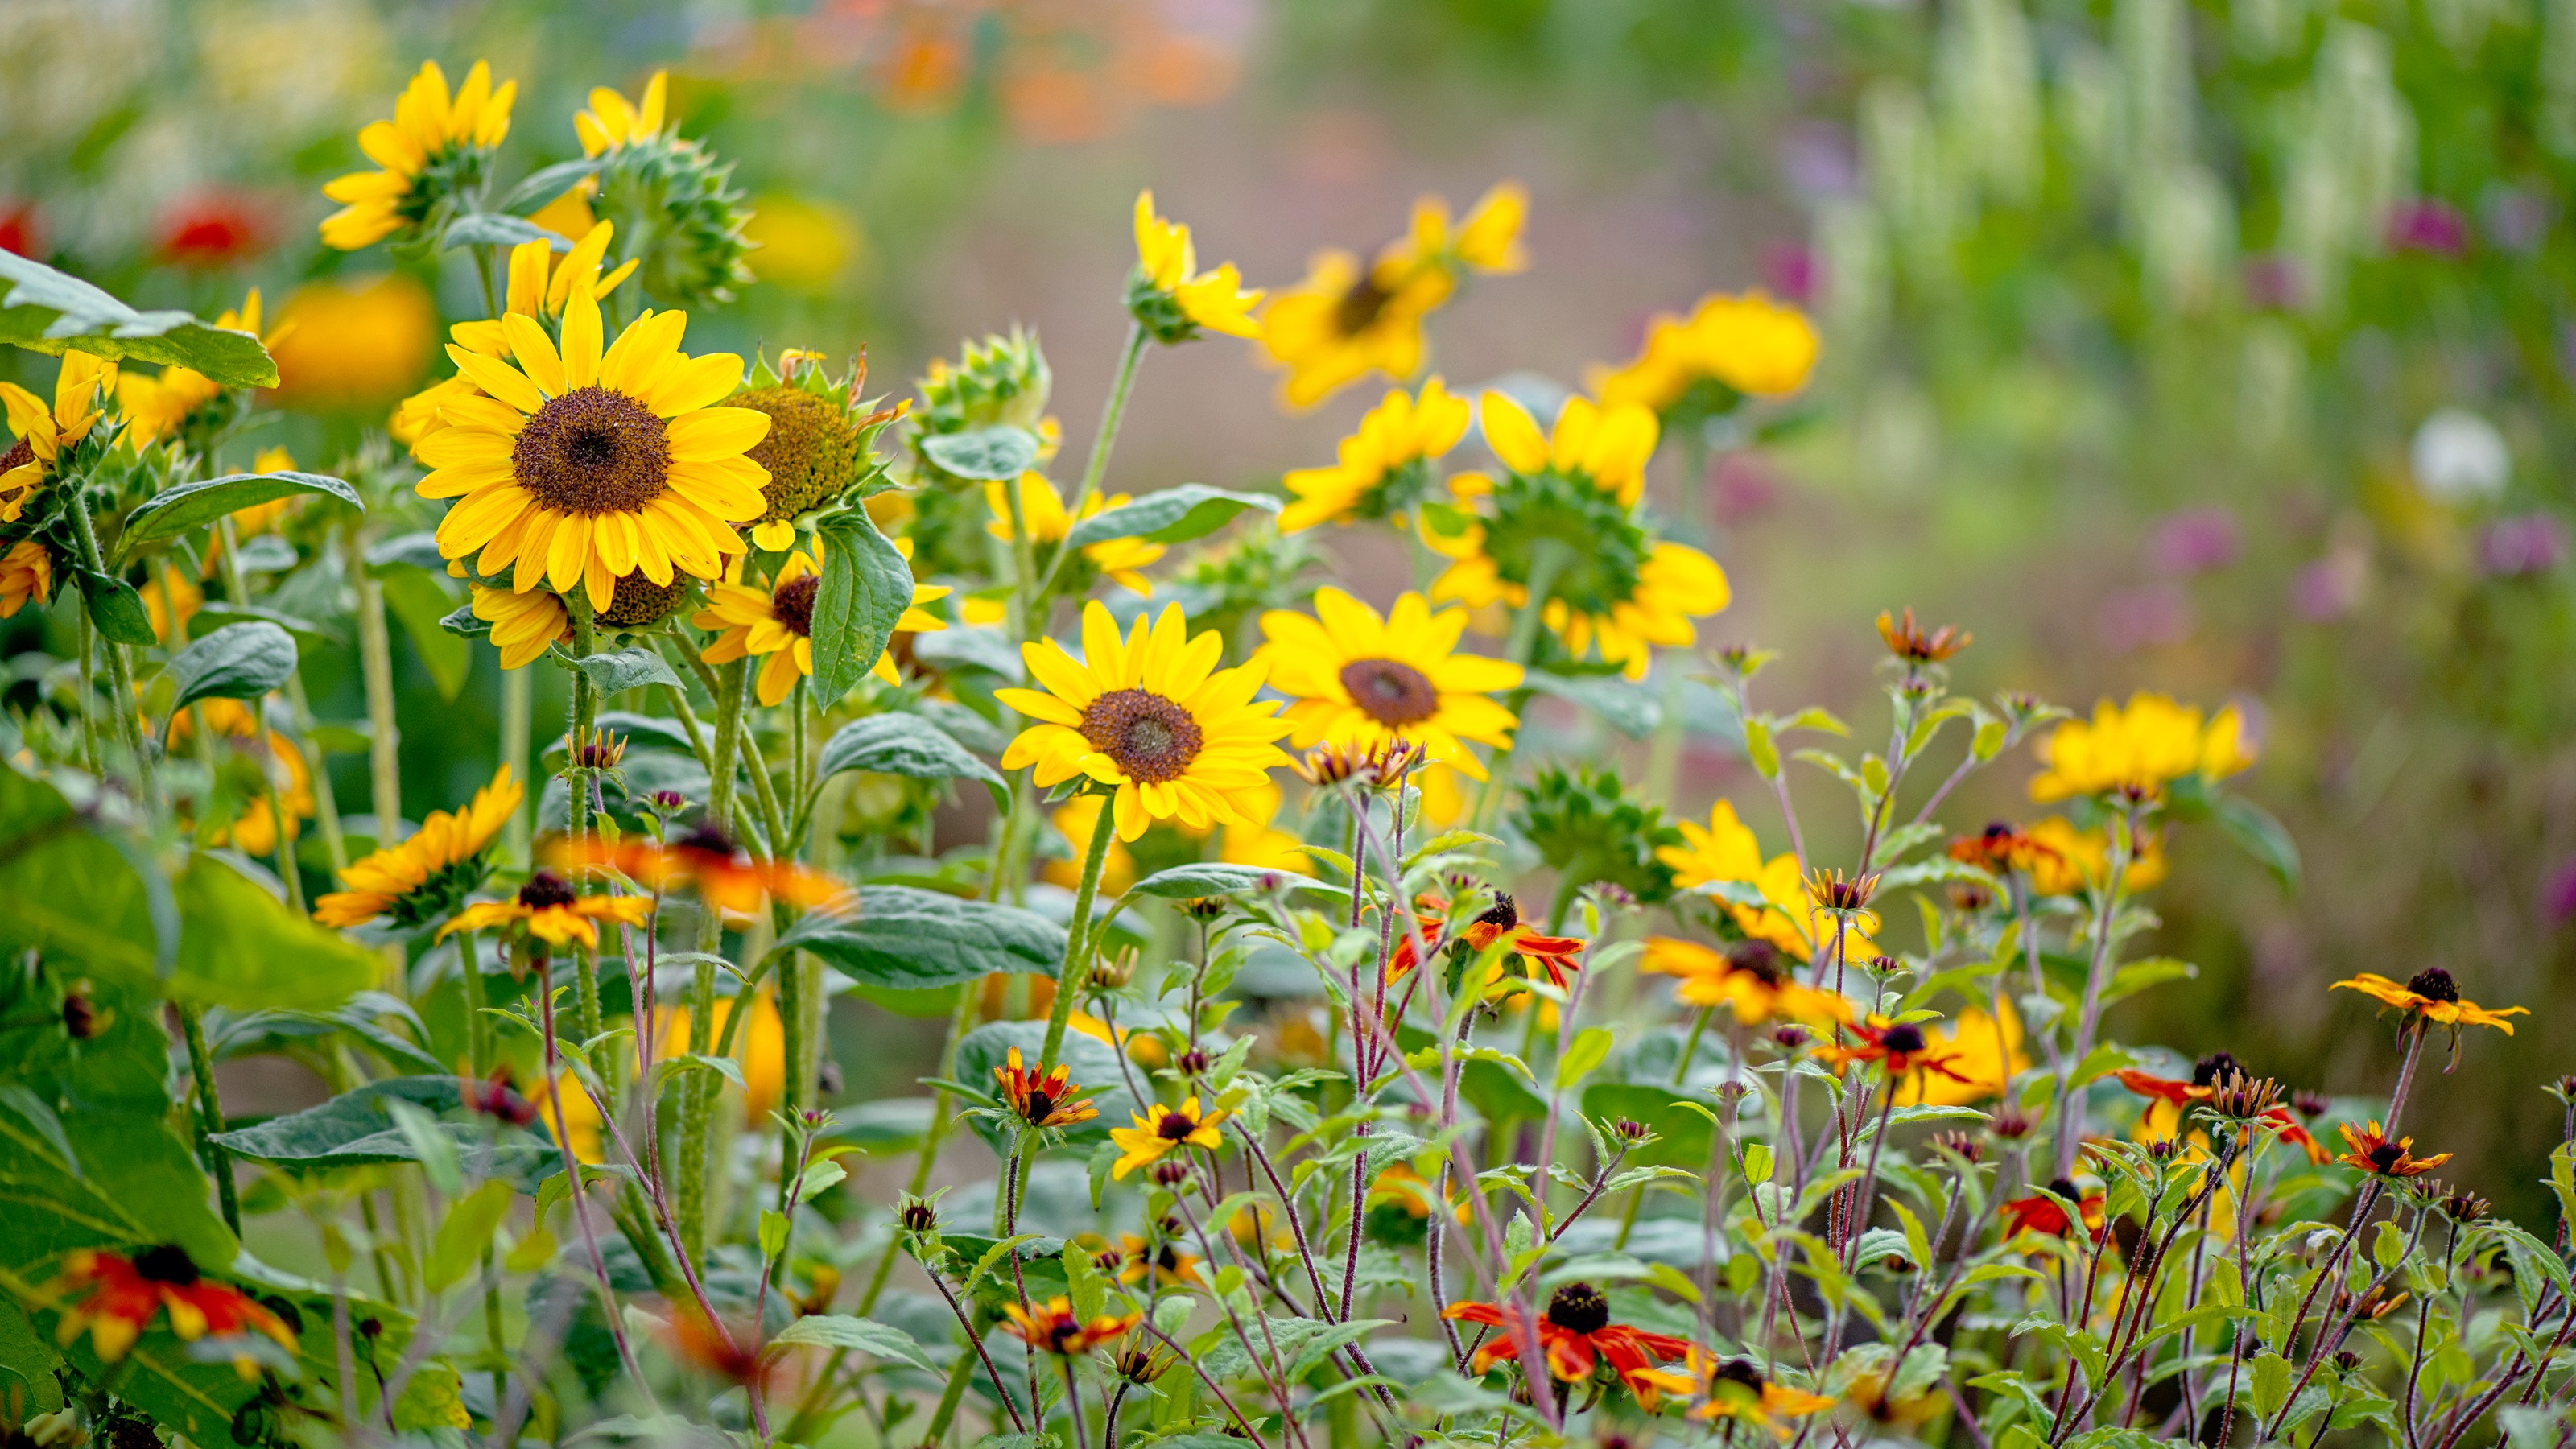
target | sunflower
[
  {"x": 2434, "y": 995},
  {"x": 1383, "y": 470},
  {"x": 1576, "y": 1335},
  {"x": 1042, "y": 508},
  {"x": 1042, "y": 1100},
  {"x": 2140, "y": 748},
  {"x": 547, "y": 909},
  {"x": 2370, "y": 1150},
  {"x": 124, "y": 1294},
  {"x": 1345, "y": 321},
  {"x": 541, "y": 285},
  {"x": 612, "y": 121},
  {"x": 158, "y": 407},
  {"x": 1735, "y": 1389},
  {"x": 1159, "y": 1129},
  {"x": 1054, "y": 1327},
  {"x": 1729, "y": 348},
  {"x": 1745, "y": 978},
  {"x": 1152, "y": 717},
  {"x": 1170, "y": 297},
  {"x": 81, "y": 389},
  {"x": 1361, "y": 681},
  {"x": 254, "y": 831},
  {"x": 435, "y": 146},
  {"x": 585, "y": 464},
  {"x": 26, "y": 572},
  {"x": 1573, "y": 497},
  {"x": 778, "y": 622},
  {"x": 425, "y": 876}
]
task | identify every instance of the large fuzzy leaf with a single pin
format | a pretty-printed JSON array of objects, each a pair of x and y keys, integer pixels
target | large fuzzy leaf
[{"x": 44, "y": 310}]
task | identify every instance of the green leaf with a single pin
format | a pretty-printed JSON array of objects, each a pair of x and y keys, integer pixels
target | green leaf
[
  {"x": 549, "y": 182},
  {"x": 173, "y": 511},
  {"x": 1590, "y": 1048},
  {"x": 217, "y": 614},
  {"x": 866, "y": 1335},
  {"x": 1299, "y": 1343},
  {"x": 866, "y": 587},
  {"x": 1089, "y": 1286},
  {"x": 420, "y": 602},
  {"x": 136, "y": 1181},
  {"x": 618, "y": 670},
  {"x": 463, "y": 1233},
  {"x": 995, "y": 454},
  {"x": 49, "y": 311},
  {"x": 1092, "y": 1066},
  {"x": 1627, "y": 708},
  {"x": 901, "y": 743},
  {"x": 2272, "y": 1375},
  {"x": 2260, "y": 835},
  {"x": 74, "y": 895},
  {"x": 1188, "y": 882},
  {"x": 117, "y": 609},
  {"x": 1173, "y": 515},
  {"x": 239, "y": 661},
  {"x": 911, "y": 939},
  {"x": 433, "y": 1398},
  {"x": 970, "y": 647},
  {"x": 358, "y": 1129},
  {"x": 241, "y": 947},
  {"x": 489, "y": 229}
]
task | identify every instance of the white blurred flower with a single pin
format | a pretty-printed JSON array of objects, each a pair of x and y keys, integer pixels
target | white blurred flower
[{"x": 2459, "y": 457}]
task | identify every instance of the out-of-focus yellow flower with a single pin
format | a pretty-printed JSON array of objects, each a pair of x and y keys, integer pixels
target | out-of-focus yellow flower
[
  {"x": 2074, "y": 860},
  {"x": 1345, "y": 321},
  {"x": 171, "y": 598},
  {"x": 1747, "y": 345},
  {"x": 1383, "y": 470},
  {"x": 348, "y": 345},
  {"x": 1121, "y": 560},
  {"x": 1170, "y": 297},
  {"x": 1983, "y": 1048},
  {"x": 156, "y": 407},
  {"x": 435, "y": 145},
  {"x": 807, "y": 245},
  {"x": 1253, "y": 840},
  {"x": 761, "y": 1048},
  {"x": 26, "y": 572},
  {"x": 2139, "y": 748},
  {"x": 81, "y": 390},
  {"x": 423, "y": 877},
  {"x": 254, "y": 831},
  {"x": 612, "y": 121},
  {"x": 1727, "y": 850}
]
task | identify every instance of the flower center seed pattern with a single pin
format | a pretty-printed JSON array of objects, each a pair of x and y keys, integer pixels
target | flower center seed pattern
[
  {"x": 593, "y": 451},
  {"x": 793, "y": 604},
  {"x": 546, "y": 889},
  {"x": 2435, "y": 984},
  {"x": 1149, "y": 737},
  {"x": 1174, "y": 1127},
  {"x": 1394, "y": 693},
  {"x": 1579, "y": 1308}
]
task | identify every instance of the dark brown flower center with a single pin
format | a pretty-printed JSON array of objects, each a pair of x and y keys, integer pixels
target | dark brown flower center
[
  {"x": 1903, "y": 1040},
  {"x": 639, "y": 601},
  {"x": 593, "y": 451},
  {"x": 2215, "y": 1068},
  {"x": 166, "y": 1263},
  {"x": 20, "y": 454},
  {"x": 2065, "y": 1187},
  {"x": 1502, "y": 915},
  {"x": 1393, "y": 693},
  {"x": 545, "y": 890},
  {"x": 1359, "y": 308},
  {"x": 2387, "y": 1155},
  {"x": 2434, "y": 984},
  {"x": 1174, "y": 1127},
  {"x": 1149, "y": 737},
  {"x": 793, "y": 604},
  {"x": 1579, "y": 1308},
  {"x": 1039, "y": 1104},
  {"x": 1739, "y": 1371},
  {"x": 1757, "y": 959}
]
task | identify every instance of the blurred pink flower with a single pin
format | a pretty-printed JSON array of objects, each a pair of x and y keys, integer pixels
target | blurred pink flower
[
  {"x": 2527, "y": 543},
  {"x": 1743, "y": 486},
  {"x": 2327, "y": 589},
  {"x": 2142, "y": 618},
  {"x": 2558, "y": 893},
  {"x": 2194, "y": 540},
  {"x": 2432, "y": 227},
  {"x": 2515, "y": 219},
  {"x": 2274, "y": 283},
  {"x": 1793, "y": 272}
]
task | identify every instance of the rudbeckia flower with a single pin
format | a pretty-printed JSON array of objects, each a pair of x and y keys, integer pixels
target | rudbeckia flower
[
  {"x": 2038, "y": 1214},
  {"x": 44, "y": 434},
  {"x": 425, "y": 876},
  {"x": 435, "y": 146},
  {"x": 1745, "y": 978},
  {"x": 1362, "y": 681},
  {"x": 1159, "y": 1129},
  {"x": 2433, "y": 995},
  {"x": 2371, "y": 1151},
  {"x": 1042, "y": 1100},
  {"x": 26, "y": 572},
  {"x": 1119, "y": 560},
  {"x": 1383, "y": 470},
  {"x": 124, "y": 1295},
  {"x": 706, "y": 860},
  {"x": 1725, "y": 851},
  {"x": 1900, "y": 1047},
  {"x": 1576, "y": 1334},
  {"x": 776, "y": 624},
  {"x": 1152, "y": 717},
  {"x": 1053, "y": 1327},
  {"x": 547, "y": 909},
  {"x": 1168, "y": 1265},
  {"x": 2140, "y": 748},
  {"x": 586, "y": 463},
  {"x": 1572, "y": 496},
  {"x": 2169, "y": 1097},
  {"x": 1728, "y": 348},
  {"x": 1170, "y": 297},
  {"x": 1735, "y": 1389},
  {"x": 1499, "y": 924},
  {"x": 1345, "y": 321}
]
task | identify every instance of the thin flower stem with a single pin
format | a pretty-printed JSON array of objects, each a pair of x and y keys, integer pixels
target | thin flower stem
[
  {"x": 1097, "y": 466},
  {"x": 210, "y": 1114},
  {"x": 376, "y": 667},
  {"x": 2070, "y": 1100},
  {"x": 120, "y": 671},
  {"x": 1077, "y": 943}
]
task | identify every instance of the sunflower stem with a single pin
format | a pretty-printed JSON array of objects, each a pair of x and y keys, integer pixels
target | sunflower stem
[
  {"x": 695, "y": 1104},
  {"x": 1097, "y": 466},
  {"x": 1077, "y": 943},
  {"x": 210, "y": 1114},
  {"x": 518, "y": 708},
  {"x": 376, "y": 665},
  {"x": 120, "y": 673}
]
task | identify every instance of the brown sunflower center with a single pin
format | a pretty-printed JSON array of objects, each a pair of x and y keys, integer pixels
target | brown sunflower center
[
  {"x": 1359, "y": 308},
  {"x": 19, "y": 455},
  {"x": 1395, "y": 694},
  {"x": 2434, "y": 984},
  {"x": 793, "y": 604},
  {"x": 591, "y": 451},
  {"x": 1149, "y": 737},
  {"x": 1579, "y": 1308},
  {"x": 166, "y": 1263},
  {"x": 639, "y": 601},
  {"x": 545, "y": 890},
  {"x": 1174, "y": 1127}
]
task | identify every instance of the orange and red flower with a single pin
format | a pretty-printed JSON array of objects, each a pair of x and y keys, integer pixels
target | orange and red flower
[
  {"x": 2039, "y": 1213},
  {"x": 1577, "y": 1335},
  {"x": 1559, "y": 956},
  {"x": 2207, "y": 1076},
  {"x": 126, "y": 1294},
  {"x": 2372, "y": 1152},
  {"x": 1899, "y": 1046},
  {"x": 706, "y": 860},
  {"x": 1055, "y": 1328},
  {"x": 1042, "y": 1100}
]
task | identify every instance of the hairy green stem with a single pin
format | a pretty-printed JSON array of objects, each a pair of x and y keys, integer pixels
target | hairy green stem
[
  {"x": 1097, "y": 466},
  {"x": 120, "y": 672},
  {"x": 210, "y": 1114}
]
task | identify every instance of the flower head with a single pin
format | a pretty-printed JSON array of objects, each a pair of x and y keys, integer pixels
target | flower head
[
  {"x": 2140, "y": 748},
  {"x": 1576, "y": 1335},
  {"x": 2371, "y": 1151},
  {"x": 1160, "y": 1129},
  {"x": 1900, "y": 1047},
  {"x": 613, "y": 121},
  {"x": 1170, "y": 297},
  {"x": 776, "y": 624},
  {"x": 1361, "y": 680},
  {"x": 2434, "y": 995},
  {"x": 1747, "y": 978},
  {"x": 1042, "y": 1100},
  {"x": 1151, "y": 717},
  {"x": 45, "y": 434},
  {"x": 1726, "y": 853},
  {"x": 1346, "y": 320},
  {"x": 2043, "y": 1213},
  {"x": 288, "y": 781},
  {"x": 1121, "y": 560},
  {"x": 1159, "y": 1257},
  {"x": 1729, "y": 348},
  {"x": 436, "y": 146},
  {"x": 26, "y": 572},
  {"x": 705, "y": 860},
  {"x": 1497, "y": 926},
  {"x": 1383, "y": 470},
  {"x": 1053, "y": 1327},
  {"x": 1735, "y": 1389},
  {"x": 426, "y": 876},
  {"x": 547, "y": 909},
  {"x": 1912, "y": 643},
  {"x": 123, "y": 1295}
]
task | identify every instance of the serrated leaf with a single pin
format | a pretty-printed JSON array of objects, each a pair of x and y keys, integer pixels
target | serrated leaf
[
  {"x": 902, "y": 743},
  {"x": 173, "y": 511},
  {"x": 866, "y": 1335},
  {"x": 905, "y": 938},
  {"x": 993, "y": 454},
  {"x": 1216, "y": 878},
  {"x": 1173, "y": 515},
  {"x": 50, "y": 311},
  {"x": 866, "y": 587},
  {"x": 238, "y": 661},
  {"x": 618, "y": 670}
]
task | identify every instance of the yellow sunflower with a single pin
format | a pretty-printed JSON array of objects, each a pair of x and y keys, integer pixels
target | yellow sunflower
[
  {"x": 2139, "y": 748},
  {"x": 541, "y": 283},
  {"x": 427, "y": 875},
  {"x": 45, "y": 434},
  {"x": 254, "y": 831},
  {"x": 1119, "y": 559},
  {"x": 1383, "y": 470},
  {"x": 1170, "y": 297},
  {"x": 779, "y": 622},
  {"x": 522, "y": 624},
  {"x": 156, "y": 407},
  {"x": 1726, "y": 850},
  {"x": 26, "y": 572},
  {"x": 433, "y": 137},
  {"x": 1345, "y": 321},
  {"x": 1362, "y": 681},
  {"x": 612, "y": 121},
  {"x": 1735, "y": 346},
  {"x": 1615, "y": 589},
  {"x": 1152, "y": 716},
  {"x": 584, "y": 464},
  {"x": 1159, "y": 1129}
]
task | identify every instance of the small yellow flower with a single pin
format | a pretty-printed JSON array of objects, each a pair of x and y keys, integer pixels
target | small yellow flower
[
  {"x": 432, "y": 134},
  {"x": 1159, "y": 1129},
  {"x": 1345, "y": 321},
  {"x": 547, "y": 909},
  {"x": 1731, "y": 346},
  {"x": 81, "y": 390},
  {"x": 157, "y": 407},
  {"x": 1727, "y": 850},
  {"x": 1746, "y": 979},
  {"x": 1121, "y": 560},
  {"x": 2073, "y": 860},
  {"x": 1361, "y": 681},
  {"x": 1383, "y": 470},
  {"x": 612, "y": 121},
  {"x": 254, "y": 831},
  {"x": 427, "y": 875},
  {"x": 778, "y": 622},
  {"x": 2434, "y": 995},
  {"x": 1170, "y": 297},
  {"x": 2140, "y": 748},
  {"x": 26, "y": 572}
]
